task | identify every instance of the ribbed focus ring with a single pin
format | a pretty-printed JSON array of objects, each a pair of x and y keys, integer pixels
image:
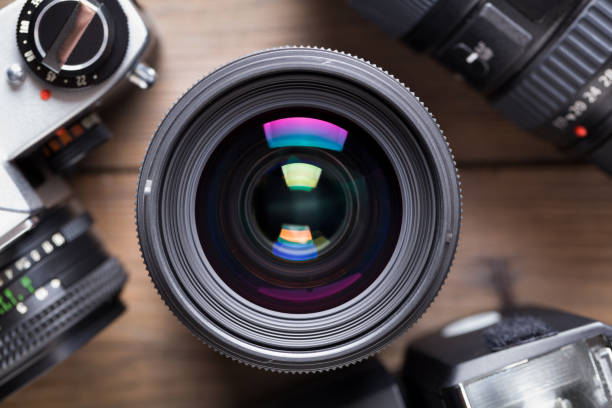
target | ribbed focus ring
[
  {"x": 549, "y": 85},
  {"x": 397, "y": 17},
  {"x": 35, "y": 333}
]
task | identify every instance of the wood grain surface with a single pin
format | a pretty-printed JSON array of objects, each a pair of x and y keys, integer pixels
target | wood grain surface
[{"x": 548, "y": 219}]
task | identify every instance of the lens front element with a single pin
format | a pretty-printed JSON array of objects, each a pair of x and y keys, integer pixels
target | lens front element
[{"x": 304, "y": 213}]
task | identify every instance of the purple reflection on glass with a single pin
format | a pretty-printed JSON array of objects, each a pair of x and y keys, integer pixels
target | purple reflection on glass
[
  {"x": 304, "y": 132},
  {"x": 304, "y": 295}
]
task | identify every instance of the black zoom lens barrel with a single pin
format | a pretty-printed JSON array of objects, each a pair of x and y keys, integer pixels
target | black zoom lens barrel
[
  {"x": 58, "y": 289},
  {"x": 547, "y": 65}
]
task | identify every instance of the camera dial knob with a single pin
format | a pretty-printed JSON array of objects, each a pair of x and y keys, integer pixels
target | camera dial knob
[{"x": 72, "y": 43}]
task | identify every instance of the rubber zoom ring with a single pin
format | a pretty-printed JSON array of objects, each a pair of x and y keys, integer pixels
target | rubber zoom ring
[
  {"x": 34, "y": 334},
  {"x": 397, "y": 17},
  {"x": 550, "y": 83}
]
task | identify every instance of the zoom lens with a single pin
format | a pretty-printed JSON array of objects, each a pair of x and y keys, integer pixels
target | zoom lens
[
  {"x": 58, "y": 289},
  {"x": 547, "y": 65},
  {"x": 297, "y": 209}
]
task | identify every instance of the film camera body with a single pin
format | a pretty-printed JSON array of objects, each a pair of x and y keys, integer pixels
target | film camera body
[{"x": 61, "y": 59}]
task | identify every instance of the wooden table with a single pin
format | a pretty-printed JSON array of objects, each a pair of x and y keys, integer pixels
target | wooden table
[{"x": 548, "y": 218}]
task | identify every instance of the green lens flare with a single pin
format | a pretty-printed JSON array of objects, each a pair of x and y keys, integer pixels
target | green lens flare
[{"x": 301, "y": 176}]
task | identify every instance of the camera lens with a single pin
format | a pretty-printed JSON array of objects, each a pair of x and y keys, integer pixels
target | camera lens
[
  {"x": 547, "y": 65},
  {"x": 297, "y": 209},
  {"x": 58, "y": 289}
]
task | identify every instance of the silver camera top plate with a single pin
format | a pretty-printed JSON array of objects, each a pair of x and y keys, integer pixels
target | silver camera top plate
[{"x": 31, "y": 110}]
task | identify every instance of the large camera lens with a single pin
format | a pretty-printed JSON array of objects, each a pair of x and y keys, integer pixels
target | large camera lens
[
  {"x": 545, "y": 64},
  {"x": 58, "y": 289},
  {"x": 298, "y": 208}
]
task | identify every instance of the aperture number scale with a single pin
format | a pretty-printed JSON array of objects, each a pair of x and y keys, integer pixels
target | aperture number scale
[{"x": 591, "y": 95}]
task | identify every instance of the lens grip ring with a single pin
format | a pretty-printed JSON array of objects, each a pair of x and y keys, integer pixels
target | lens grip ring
[
  {"x": 49, "y": 336},
  {"x": 549, "y": 84}
]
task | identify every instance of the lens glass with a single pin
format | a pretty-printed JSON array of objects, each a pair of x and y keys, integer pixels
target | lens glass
[{"x": 298, "y": 210}]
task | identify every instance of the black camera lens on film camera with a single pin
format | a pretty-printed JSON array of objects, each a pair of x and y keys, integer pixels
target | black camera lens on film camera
[
  {"x": 58, "y": 285},
  {"x": 547, "y": 65},
  {"x": 298, "y": 208},
  {"x": 59, "y": 288}
]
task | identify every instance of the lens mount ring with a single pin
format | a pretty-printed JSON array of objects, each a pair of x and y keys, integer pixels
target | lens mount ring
[{"x": 273, "y": 79}]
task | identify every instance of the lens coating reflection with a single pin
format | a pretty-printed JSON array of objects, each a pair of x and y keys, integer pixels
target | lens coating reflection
[
  {"x": 307, "y": 132},
  {"x": 308, "y": 295},
  {"x": 295, "y": 243},
  {"x": 301, "y": 176}
]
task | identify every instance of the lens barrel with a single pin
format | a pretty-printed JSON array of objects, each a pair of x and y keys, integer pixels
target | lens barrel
[
  {"x": 547, "y": 65},
  {"x": 58, "y": 289},
  {"x": 298, "y": 209}
]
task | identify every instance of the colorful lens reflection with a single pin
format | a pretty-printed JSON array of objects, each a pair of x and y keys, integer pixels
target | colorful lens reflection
[
  {"x": 301, "y": 176},
  {"x": 295, "y": 243},
  {"x": 296, "y": 234},
  {"x": 304, "y": 132}
]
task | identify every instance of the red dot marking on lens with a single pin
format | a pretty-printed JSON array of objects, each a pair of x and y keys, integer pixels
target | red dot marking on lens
[
  {"x": 45, "y": 94},
  {"x": 581, "y": 131}
]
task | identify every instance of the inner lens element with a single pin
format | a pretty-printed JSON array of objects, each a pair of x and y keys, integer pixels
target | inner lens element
[{"x": 298, "y": 210}]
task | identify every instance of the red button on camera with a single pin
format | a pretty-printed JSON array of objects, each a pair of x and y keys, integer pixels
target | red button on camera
[
  {"x": 581, "y": 131},
  {"x": 45, "y": 94}
]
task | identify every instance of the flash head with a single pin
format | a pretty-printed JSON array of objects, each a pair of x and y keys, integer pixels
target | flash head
[{"x": 524, "y": 357}]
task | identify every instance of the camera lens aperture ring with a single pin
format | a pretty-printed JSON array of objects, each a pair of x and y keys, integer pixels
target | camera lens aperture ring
[
  {"x": 547, "y": 87},
  {"x": 191, "y": 288}
]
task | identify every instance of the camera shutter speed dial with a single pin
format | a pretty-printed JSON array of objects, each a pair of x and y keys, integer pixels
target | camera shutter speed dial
[{"x": 72, "y": 43}]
